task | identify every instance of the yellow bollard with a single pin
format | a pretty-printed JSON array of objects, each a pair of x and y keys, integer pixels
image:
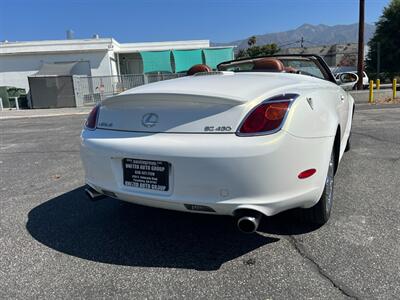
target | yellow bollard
[
  {"x": 371, "y": 91},
  {"x": 378, "y": 84},
  {"x": 394, "y": 88}
]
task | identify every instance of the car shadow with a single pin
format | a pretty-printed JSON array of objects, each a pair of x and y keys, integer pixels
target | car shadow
[
  {"x": 115, "y": 232},
  {"x": 287, "y": 223}
]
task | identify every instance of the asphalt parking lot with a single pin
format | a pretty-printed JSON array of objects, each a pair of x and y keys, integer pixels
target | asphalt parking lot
[{"x": 54, "y": 243}]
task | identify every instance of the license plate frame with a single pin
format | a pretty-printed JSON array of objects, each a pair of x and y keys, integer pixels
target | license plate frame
[{"x": 150, "y": 175}]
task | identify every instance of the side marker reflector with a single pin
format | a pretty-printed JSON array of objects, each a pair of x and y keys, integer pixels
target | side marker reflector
[{"x": 307, "y": 173}]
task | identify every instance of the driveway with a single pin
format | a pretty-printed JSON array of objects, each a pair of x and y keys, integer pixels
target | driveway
[{"x": 54, "y": 243}]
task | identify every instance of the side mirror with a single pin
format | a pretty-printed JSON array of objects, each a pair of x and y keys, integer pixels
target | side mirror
[{"x": 347, "y": 81}]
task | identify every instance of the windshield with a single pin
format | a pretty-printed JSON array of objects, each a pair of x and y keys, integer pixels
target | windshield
[{"x": 298, "y": 65}]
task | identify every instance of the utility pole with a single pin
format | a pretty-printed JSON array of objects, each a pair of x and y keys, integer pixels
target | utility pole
[
  {"x": 360, "y": 63},
  {"x": 302, "y": 42}
]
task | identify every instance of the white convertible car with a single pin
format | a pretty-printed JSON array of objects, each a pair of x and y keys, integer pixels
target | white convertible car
[{"x": 257, "y": 137}]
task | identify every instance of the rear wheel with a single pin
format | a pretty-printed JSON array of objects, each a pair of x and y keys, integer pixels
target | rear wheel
[
  {"x": 320, "y": 212},
  {"x": 348, "y": 145}
]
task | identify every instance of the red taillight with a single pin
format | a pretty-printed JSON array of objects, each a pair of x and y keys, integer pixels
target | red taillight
[
  {"x": 91, "y": 120},
  {"x": 307, "y": 173},
  {"x": 266, "y": 117}
]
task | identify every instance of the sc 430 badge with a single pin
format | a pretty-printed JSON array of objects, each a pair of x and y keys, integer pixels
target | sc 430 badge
[{"x": 218, "y": 128}]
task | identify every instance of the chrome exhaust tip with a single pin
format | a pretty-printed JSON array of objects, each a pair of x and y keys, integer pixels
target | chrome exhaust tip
[
  {"x": 249, "y": 223},
  {"x": 92, "y": 194}
]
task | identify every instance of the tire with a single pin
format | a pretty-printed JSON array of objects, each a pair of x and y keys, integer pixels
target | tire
[
  {"x": 348, "y": 145},
  {"x": 319, "y": 214}
]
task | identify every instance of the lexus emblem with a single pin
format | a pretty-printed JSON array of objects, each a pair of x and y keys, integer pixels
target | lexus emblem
[{"x": 149, "y": 120}]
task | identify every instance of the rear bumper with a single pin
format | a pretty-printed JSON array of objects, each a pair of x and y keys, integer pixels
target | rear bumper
[{"x": 221, "y": 171}]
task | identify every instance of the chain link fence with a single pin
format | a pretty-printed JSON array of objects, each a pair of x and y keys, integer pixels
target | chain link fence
[{"x": 92, "y": 89}]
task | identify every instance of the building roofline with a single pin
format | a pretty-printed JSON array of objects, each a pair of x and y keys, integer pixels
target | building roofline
[
  {"x": 101, "y": 44},
  {"x": 52, "y": 46},
  {"x": 158, "y": 46},
  {"x": 58, "y": 42}
]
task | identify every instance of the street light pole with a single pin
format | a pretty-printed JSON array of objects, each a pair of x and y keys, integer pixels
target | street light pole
[{"x": 360, "y": 63}]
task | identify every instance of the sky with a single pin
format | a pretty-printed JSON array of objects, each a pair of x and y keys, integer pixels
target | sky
[{"x": 168, "y": 20}]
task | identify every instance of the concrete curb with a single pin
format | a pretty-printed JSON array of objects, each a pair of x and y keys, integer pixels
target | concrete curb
[{"x": 41, "y": 115}]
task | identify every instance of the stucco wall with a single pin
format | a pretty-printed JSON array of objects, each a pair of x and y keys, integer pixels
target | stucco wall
[{"x": 14, "y": 69}]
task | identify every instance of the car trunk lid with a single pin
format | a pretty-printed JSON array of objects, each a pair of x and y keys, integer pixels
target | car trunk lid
[{"x": 174, "y": 113}]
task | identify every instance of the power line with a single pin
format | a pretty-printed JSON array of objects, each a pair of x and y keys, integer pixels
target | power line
[
  {"x": 302, "y": 41},
  {"x": 288, "y": 44}
]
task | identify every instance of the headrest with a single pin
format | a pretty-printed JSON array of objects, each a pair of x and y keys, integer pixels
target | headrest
[
  {"x": 268, "y": 65},
  {"x": 198, "y": 68}
]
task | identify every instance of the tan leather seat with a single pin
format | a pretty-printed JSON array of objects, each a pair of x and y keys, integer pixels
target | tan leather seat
[{"x": 268, "y": 65}]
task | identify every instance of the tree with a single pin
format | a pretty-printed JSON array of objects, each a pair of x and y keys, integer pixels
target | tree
[
  {"x": 254, "y": 51},
  {"x": 268, "y": 49},
  {"x": 388, "y": 35},
  {"x": 241, "y": 53},
  {"x": 252, "y": 41}
]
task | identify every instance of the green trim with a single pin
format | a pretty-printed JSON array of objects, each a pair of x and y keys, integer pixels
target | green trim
[
  {"x": 156, "y": 61},
  {"x": 185, "y": 59},
  {"x": 215, "y": 56}
]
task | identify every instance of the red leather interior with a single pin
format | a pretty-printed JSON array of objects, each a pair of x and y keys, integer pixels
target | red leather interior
[
  {"x": 268, "y": 65},
  {"x": 198, "y": 68}
]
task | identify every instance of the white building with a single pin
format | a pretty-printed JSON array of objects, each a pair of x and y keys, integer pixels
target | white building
[{"x": 103, "y": 57}]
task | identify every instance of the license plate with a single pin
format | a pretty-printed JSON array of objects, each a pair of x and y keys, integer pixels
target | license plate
[{"x": 146, "y": 174}]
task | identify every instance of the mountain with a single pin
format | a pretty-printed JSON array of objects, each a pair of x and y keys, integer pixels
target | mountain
[{"x": 313, "y": 35}]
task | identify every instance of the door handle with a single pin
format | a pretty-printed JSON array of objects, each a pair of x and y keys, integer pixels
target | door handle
[{"x": 342, "y": 98}]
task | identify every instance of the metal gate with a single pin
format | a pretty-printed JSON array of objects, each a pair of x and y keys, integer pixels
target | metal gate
[{"x": 92, "y": 89}]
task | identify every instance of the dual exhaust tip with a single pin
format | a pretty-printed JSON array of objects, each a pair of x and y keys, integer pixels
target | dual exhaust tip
[
  {"x": 92, "y": 194},
  {"x": 247, "y": 220},
  {"x": 95, "y": 195}
]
